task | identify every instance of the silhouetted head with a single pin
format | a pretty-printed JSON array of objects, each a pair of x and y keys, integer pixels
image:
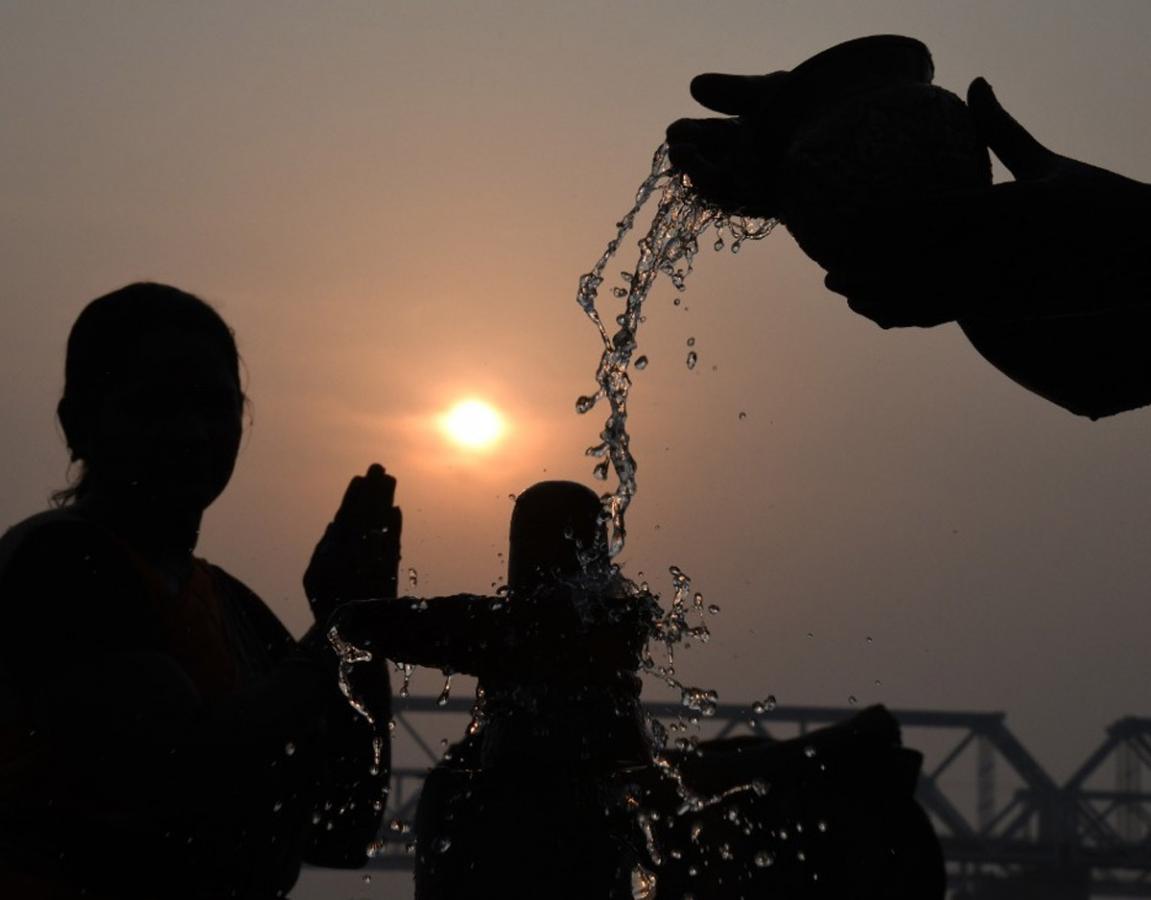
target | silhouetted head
[
  {"x": 556, "y": 532},
  {"x": 152, "y": 402}
]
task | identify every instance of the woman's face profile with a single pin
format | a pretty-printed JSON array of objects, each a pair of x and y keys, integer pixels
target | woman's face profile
[{"x": 169, "y": 430}]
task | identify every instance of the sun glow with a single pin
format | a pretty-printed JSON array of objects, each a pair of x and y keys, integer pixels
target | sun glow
[{"x": 473, "y": 425}]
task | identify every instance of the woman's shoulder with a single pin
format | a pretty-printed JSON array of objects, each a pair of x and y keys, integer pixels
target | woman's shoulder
[
  {"x": 64, "y": 576},
  {"x": 52, "y": 539},
  {"x": 63, "y": 555}
]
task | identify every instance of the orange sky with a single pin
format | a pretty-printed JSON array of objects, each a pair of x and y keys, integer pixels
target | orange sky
[{"x": 392, "y": 203}]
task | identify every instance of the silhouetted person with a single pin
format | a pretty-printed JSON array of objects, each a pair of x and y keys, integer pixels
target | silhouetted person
[
  {"x": 530, "y": 803},
  {"x": 161, "y": 733},
  {"x": 1049, "y": 275}
]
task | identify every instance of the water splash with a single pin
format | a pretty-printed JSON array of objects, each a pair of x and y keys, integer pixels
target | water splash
[
  {"x": 669, "y": 247},
  {"x": 643, "y": 884},
  {"x": 350, "y": 656},
  {"x": 670, "y": 628}
]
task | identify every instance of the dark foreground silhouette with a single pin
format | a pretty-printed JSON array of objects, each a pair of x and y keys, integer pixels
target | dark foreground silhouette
[
  {"x": 1048, "y": 275},
  {"x": 829, "y": 815},
  {"x": 161, "y": 733},
  {"x": 555, "y": 792}
]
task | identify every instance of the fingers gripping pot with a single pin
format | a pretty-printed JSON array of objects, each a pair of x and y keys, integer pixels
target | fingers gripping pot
[{"x": 860, "y": 126}]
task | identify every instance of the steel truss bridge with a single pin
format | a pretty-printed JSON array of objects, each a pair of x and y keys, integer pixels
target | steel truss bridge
[{"x": 1008, "y": 829}]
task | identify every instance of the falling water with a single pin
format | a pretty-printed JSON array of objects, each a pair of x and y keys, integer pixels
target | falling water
[{"x": 669, "y": 246}]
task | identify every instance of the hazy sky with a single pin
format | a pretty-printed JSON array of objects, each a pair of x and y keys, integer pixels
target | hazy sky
[{"x": 392, "y": 203}]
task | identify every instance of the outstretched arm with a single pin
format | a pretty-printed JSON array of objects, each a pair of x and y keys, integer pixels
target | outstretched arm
[{"x": 1049, "y": 275}]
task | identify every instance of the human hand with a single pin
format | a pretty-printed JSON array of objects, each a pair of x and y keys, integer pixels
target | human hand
[
  {"x": 1065, "y": 239},
  {"x": 734, "y": 162},
  {"x": 741, "y": 163},
  {"x": 358, "y": 557}
]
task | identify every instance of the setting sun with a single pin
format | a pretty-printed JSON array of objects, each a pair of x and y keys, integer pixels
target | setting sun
[{"x": 472, "y": 424}]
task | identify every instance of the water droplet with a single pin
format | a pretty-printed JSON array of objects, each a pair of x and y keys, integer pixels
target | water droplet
[
  {"x": 718, "y": 245},
  {"x": 692, "y": 359},
  {"x": 289, "y": 749},
  {"x": 641, "y": 363},
  {"x": 585, "y": 403},
  {"x": 713, "y": 608},
  {"x": 770, "y": 702},
  {"x": 763, "y": 859},
  {"x": 877, "y": 682},
  {"x": 600, "y": 471},
  {"x": 367, "y": 878},
  {"x": 851, "y": 700},
  {"x": 691, "y": 342},
  {"x": 809, "y": 751},
  {"x": 643, "y": 884},
  {"x": 413, "y": 579},
  {"x": 869, "y": 639},
  {"x": 742, "y": 416},
  {"x": 619, "y": 292},
  {"x": 821, "y": 825},
  {"x": 443, "y": 845}
]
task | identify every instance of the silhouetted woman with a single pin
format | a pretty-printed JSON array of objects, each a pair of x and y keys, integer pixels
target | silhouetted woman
[
  {"x": 531, "y": 802},
  {"x": 161, "y": 733}
]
